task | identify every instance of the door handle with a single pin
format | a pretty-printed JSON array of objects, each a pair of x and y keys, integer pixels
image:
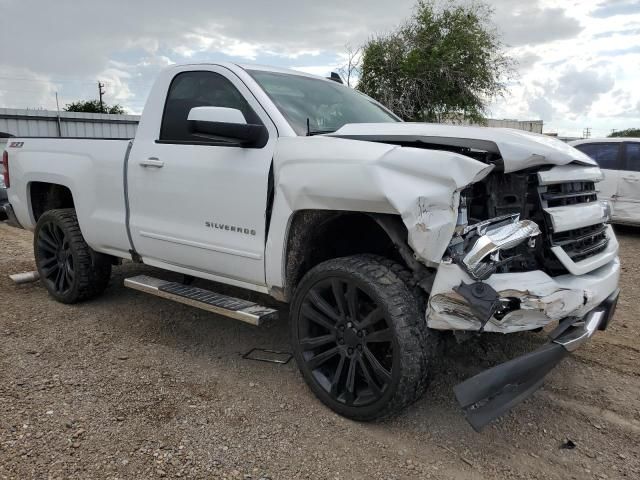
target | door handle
[
  {"x": 152, "y": 162},
  {"x": 631, "y": 179}
]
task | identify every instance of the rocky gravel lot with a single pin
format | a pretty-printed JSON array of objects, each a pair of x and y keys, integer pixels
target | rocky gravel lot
[{"x": 130, "y": 386}]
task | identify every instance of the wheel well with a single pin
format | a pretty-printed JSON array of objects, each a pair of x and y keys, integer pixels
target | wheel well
[
  {"x": 49, "y": 196},
  {"x": 318, "y": 235}
]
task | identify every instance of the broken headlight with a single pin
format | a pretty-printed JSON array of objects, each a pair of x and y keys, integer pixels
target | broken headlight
[{"x": 483, "y": 247}]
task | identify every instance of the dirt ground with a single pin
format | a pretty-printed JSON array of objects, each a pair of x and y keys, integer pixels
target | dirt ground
[{"x": 131, "y": 386}]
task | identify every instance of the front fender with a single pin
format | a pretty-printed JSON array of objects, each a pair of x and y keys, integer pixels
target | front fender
[{"x": 325, "y": 173}]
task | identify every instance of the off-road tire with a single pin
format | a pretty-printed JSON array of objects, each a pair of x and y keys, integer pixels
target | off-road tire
[
  {"x": 386, "y": 285},
  {"x": 91, "y": 270}
]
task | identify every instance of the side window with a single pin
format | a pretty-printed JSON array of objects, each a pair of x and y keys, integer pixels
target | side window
[
  {"x": 605, "y": 154},
  {"x": 199, "y": 89},
  {"x": 632, "y": 157}
]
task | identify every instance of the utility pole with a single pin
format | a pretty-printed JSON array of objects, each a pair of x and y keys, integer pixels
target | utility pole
[
  {"x": 586, "y": 133},
  {"x": 101, "y": 93}
]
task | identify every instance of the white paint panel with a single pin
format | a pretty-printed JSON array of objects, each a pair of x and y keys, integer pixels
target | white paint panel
[
  {"x": 543, "y": 298},
  {"x": 518, "y": 149},
  {"x": 570, "y": 217},
  {"x": 328, "y": 173},
  {"x": 569, "y": 173},
  {"x": 627, "y": 205},
  {"x": 91, "y": 169}
]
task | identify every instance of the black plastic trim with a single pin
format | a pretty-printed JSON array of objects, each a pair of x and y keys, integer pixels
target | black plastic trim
[
  {"x": 242, "y": 134},
  {"x": 203, "y": 143},
  {"x": 127, "y": 209},
  {"x": 493, "y": 392}
]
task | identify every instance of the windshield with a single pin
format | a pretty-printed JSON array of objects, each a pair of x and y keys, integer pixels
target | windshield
[{"x": 327, "y": 105}]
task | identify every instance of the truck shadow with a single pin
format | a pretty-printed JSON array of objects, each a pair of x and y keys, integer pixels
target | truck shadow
[
  {"x": 627, "y": 230},
  {"x": 216, "y": 338}
]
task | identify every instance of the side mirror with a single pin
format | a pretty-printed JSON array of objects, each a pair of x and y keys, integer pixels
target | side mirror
[{"x": 226, "y": 125}]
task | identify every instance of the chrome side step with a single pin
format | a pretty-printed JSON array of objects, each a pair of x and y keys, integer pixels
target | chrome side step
[{"x": 237, "y": 308}]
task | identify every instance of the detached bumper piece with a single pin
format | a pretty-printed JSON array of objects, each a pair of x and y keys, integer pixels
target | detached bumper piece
[{"x": 494, "y": 392}]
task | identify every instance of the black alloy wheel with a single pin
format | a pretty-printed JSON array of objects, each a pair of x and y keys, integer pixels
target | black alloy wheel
[
  {"x": 69, "y": 269},
  {"x": 359, "y": 337},
  {"x": 55, "y": 259},
  {"x": 346, "y": 341}
]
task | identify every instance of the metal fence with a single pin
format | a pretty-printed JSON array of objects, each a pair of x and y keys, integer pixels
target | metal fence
[{"x": 47, "y": 123}]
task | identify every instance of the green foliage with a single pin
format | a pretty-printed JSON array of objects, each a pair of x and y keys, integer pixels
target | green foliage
[
  {"x": 93, "y": 106},
  {"x": 629, "y": 132},
  {"x": 443, "y": 63}
]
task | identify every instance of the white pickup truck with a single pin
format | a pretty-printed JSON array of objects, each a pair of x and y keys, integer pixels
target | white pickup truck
[{"x": 380, "y": 234}]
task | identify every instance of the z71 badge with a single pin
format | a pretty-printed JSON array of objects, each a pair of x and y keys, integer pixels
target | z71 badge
[{"x": 16, "y": 144}]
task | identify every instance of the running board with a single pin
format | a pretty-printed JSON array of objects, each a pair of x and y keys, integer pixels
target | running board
[{"x": 237, "y": 308}]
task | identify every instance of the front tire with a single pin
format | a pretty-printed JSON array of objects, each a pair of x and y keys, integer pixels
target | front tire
[
  {"x": 359, "y": 337},
  {"x": 69, "y": 269}
]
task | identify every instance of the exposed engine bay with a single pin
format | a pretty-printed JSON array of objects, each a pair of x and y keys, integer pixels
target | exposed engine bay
[
  {"x": 505, "y": 238},
  {"x": 510, "y": 208}
]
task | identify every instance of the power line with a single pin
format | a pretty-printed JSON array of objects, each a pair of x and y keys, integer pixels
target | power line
[
  {"x": 84, "y": 82},
  {"x": 38, "y": 80}
]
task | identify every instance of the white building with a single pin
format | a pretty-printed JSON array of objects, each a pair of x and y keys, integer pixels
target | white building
[{"x": 534, "y": 126}]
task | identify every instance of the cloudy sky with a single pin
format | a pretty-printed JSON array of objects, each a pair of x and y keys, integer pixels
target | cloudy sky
[{"x": 579, "y": 61}]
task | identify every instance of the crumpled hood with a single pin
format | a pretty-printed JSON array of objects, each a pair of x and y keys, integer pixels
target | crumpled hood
[{"x": 518, "y": 149}]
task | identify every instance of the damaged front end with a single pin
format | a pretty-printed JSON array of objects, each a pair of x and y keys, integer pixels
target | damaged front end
[
  {"x": 480, "y": 249},
  {"x": 530, "y": 248}
]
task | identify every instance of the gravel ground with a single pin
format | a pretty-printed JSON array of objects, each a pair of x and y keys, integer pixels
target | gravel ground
[{"x": 130, "y": 386}]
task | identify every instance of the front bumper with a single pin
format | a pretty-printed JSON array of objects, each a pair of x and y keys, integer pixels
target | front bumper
[
  {"x": 493, "y": 392},
  {"x": 541, "y": 299}
]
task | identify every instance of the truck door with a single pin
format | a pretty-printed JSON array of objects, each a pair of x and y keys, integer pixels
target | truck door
[
  {"x": 198, "y": 206},
  {"x": 628, "y": 197},
  {"x": 608, "y": 156}
]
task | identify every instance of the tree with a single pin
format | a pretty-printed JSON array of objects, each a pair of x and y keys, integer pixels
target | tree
[
  {"x": 351, "y": 69},
  {"x": 93, "y": 106},
  {"x": 629, "y": 132},
  {"x": 443, "y": 63}
]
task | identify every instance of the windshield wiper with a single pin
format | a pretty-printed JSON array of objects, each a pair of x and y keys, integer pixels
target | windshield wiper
[{"x": 311, "y": 133}]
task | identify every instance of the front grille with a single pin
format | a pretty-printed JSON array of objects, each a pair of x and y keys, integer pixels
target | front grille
[
  {"x": 520, "y": 192},
  {"x": 581, "y": 243},
  {"x": 570, "y": 193}
]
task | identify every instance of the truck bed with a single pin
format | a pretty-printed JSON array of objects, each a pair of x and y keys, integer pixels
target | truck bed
[{"x": 93, "y": 169}]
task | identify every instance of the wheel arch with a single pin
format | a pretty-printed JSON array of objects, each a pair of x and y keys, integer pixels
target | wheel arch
[
  {"x": 315, "y": 236},
  {"x": 44, "y": 196}
]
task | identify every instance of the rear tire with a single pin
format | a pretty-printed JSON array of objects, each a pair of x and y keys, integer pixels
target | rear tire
[
  {"x": 69, "y": 269},
  {"x": 365, "y": 354}
]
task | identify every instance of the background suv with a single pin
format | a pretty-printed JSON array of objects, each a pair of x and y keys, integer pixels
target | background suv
[{"x": 619, "y": 160}]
